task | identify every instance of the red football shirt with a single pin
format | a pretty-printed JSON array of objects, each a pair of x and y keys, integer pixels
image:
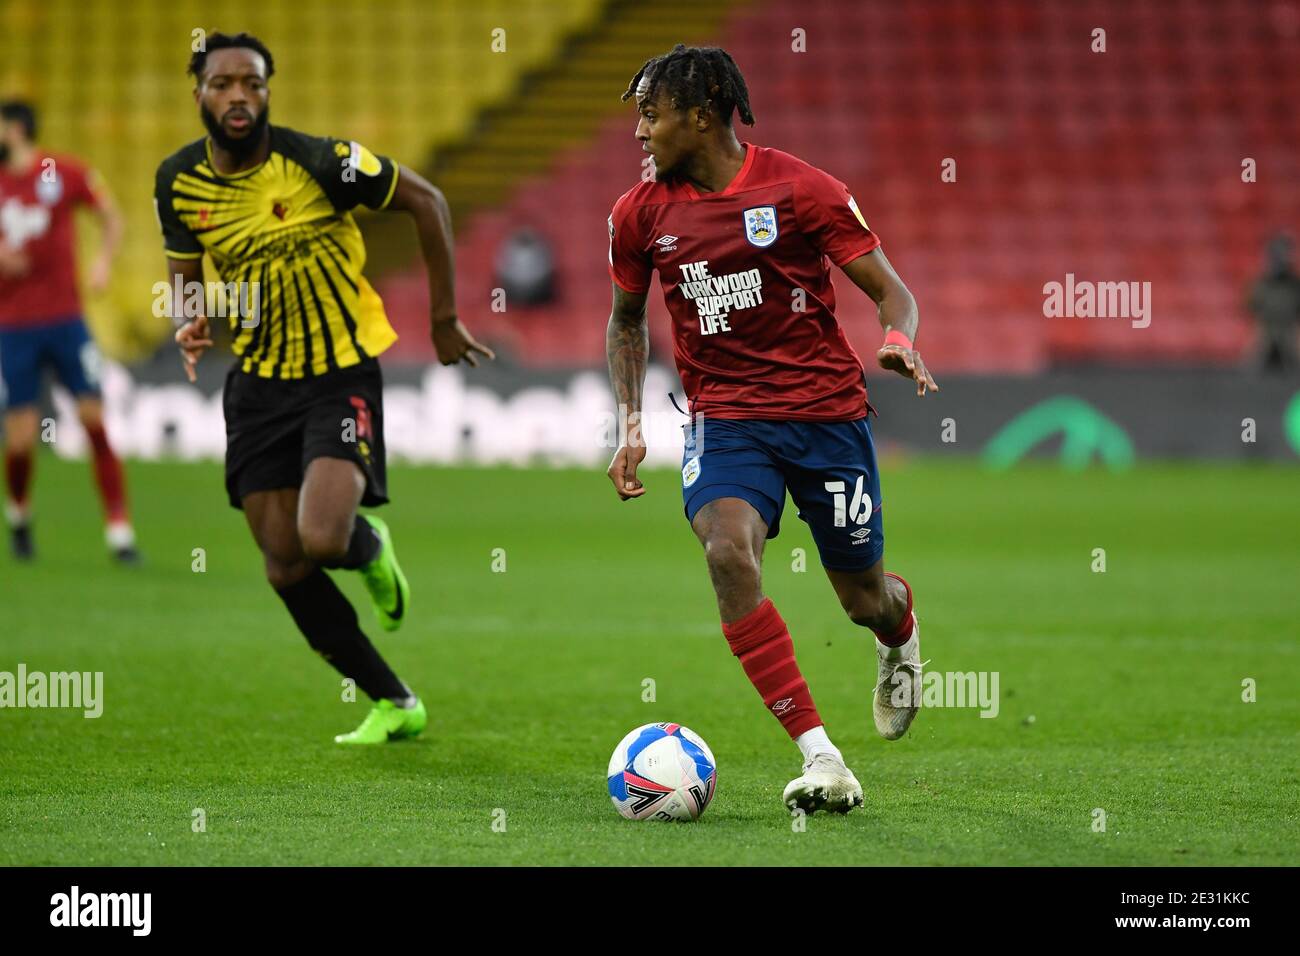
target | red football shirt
[
  {"x": 746, "y": 277},
  {"x": 36, "y": 216}
]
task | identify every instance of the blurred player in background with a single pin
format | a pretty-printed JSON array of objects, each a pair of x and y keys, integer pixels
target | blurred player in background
[
  {"x": 41, "y": 323},
  {"x": 303, "y": 401},
  {"x": 743, "y": 238}
]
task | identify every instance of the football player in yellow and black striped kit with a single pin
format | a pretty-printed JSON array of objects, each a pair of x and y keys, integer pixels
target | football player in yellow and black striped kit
[{"x": 303, "y": 400}]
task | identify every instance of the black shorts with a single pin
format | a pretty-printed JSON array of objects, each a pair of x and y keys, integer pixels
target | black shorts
[{"x": 276, "y": 427}]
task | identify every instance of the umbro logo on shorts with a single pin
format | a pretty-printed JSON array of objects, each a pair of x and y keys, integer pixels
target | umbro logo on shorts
[{"x": 666, "y": 243}]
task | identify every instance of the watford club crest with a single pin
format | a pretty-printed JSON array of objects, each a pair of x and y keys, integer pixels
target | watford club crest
[{"x": 280, "y": 209}]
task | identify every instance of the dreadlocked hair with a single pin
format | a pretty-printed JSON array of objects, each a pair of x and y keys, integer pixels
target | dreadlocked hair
[
  {"x": 224, "y": 41},
  {"x": 706, "y": 77}
]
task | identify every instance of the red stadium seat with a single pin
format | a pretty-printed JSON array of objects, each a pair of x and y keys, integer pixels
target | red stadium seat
[{"x": 1123, "y": 166}]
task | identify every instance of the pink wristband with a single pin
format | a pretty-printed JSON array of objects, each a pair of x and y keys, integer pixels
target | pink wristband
[{"x": 896, "y": 337}]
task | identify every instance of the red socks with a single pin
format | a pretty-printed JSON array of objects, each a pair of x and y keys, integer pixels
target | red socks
[
  {"x": 18, "y": 474},
  {"x": 108, "y": 476},
  {"x": 904, "y": 630},
  {"x": 762, "y": 642}
]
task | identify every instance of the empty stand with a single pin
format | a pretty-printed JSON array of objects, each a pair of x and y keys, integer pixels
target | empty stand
[
  {"x": 403, "y": 77},
  {"x": 1117, "y": 166}
]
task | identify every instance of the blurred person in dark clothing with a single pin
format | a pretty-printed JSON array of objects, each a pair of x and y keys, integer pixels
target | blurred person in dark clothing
[
  {"x": 525, "y": 268},
  {"x": 1275, "y": 304}
]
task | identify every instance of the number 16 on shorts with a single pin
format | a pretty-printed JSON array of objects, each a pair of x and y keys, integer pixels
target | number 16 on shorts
[{"x": 858, "y": 510}]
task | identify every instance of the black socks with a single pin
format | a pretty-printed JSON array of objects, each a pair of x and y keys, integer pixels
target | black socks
[
  {"x": 363, "y": 547},
  {"x": 330, "y": 625}
]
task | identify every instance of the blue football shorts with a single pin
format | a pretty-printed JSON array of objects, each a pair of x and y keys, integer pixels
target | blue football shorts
[
  {"x": 828, "y": 467},
  {"x": 64, "y": 346}
]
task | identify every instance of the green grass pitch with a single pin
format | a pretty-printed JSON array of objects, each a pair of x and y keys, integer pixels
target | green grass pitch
[{"x": 1120, "y": 690}]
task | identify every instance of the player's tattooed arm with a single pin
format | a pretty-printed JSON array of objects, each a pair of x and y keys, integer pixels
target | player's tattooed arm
[
  {"x": 192, "y": 332},
  {"x": 627, "y": 347},
  {"x": 874, "y": 275},
  {"x": 428, "y": 207}
]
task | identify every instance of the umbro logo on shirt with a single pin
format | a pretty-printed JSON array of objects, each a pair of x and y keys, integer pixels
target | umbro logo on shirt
[{"x": 666, "y": 243}]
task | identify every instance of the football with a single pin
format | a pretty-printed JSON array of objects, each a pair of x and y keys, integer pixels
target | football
[{"x": 662, "y": 772}]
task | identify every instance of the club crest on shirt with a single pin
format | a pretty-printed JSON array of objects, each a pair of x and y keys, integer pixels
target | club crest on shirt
[
  {"x": 760, "y": 225},
  {"x": 49, "y": 191}
]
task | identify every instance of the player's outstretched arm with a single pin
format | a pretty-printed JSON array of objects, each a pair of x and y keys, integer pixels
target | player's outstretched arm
[
  {"x": 627, "y": 347},
  {"x": 112, "y": 228},
  {"x": 428, "y": 207},
  {"x": 874, "y": 275},
  {"x": 192, "y": 333}
]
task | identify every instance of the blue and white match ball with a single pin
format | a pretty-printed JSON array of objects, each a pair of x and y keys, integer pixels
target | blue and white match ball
[{"x": 662, "y": 772}]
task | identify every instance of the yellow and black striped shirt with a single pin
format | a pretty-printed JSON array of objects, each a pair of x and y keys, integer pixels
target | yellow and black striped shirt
[{"x": 287, "y": 226}]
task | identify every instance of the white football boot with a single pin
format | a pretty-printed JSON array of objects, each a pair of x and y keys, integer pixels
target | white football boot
[
  {"x": 826, "y": 784},
  {"x": 897, "y": 694}
]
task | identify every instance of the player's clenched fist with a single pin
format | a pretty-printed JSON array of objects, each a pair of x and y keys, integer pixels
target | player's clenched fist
[
  {"x": 194, "y": 339},
  {"x": 622, "y": 471}
]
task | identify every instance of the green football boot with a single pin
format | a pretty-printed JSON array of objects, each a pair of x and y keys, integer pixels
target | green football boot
[
  {"x": 386, "y": 721},
  {"x": 389, "y": 593}
]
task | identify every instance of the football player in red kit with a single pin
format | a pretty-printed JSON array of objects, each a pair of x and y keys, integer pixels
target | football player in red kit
[
  {"x": 41, "y": 322},
  {"x": 743, "y": 238}
]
